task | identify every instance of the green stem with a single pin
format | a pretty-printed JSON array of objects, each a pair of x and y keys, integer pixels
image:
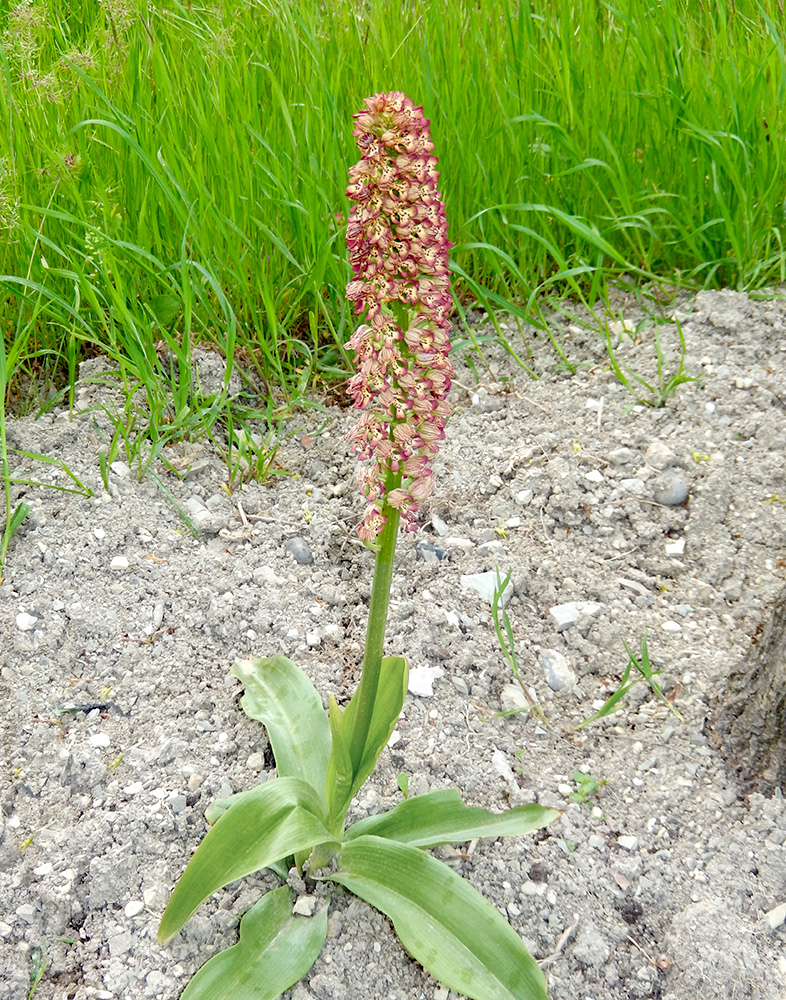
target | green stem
[
  {"x": 375, "y": 633},
  {"x": 380, "y": 601}
]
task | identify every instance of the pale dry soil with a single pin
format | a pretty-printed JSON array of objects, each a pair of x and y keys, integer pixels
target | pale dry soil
[{"x": 662, "y": 884}]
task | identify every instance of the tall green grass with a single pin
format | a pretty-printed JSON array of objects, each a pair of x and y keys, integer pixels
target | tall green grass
[{"x": 175, "y": 171}]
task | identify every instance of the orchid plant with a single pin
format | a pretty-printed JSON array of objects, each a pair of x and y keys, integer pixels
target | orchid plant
[{"x": 295, "y": 824}]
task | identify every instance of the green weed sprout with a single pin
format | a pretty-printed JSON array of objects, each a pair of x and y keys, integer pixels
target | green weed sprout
[
  {"x": 505, "y": 638},
  {"x": 646, "y": 674},
  {"x": 397, "y": 238},
  {"x": 587, "y": 787},
  {"x": 658, "y": 392}
]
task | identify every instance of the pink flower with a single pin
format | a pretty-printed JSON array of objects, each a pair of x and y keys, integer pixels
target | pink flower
[{"x": 398, "y": 251}]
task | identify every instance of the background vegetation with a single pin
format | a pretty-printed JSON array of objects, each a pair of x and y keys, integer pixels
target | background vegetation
[{"x": 174, "y": 172}]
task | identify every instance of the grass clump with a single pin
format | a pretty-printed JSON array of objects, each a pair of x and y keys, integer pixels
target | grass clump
[{"x": 181, "y": 167}]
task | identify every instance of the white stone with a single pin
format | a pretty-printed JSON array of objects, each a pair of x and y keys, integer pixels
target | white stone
[
  {"x": 776, "y": 916},
  {"x": 620, "y": 326},
  {"x": 670, "y": 626},
  {"x": 439, "y": 525},
  {"x": 134, "y": 907},
  {"x": 628, "y": 842},
  {"x": 524, "y": 497},
  {"x": 485, "y": 584},
  {"x": 676, "y": 547},
  {"x": 45, "y": 869},
  {"x": 499, "y": 761},
  {"x": 202, "y": 518},
  {"x": 26, "y": 912},
  {"x": 194, "y": 505},
  {"x": 99, "y": 533},
  {"x": 99, "y": 740},
  {"x": 458, "y": 543},
  {"x": 25, "y": 622},
  {"x": 120, "y": 469},
  {"x": 305, "y": 906},
  {"x": 633, "y": 585},
  {"x": 559, "y": 673},
  {"x": 119, "y": 563},
  {"x": 658, "y": 455},
  {"x": 421, "y": 680},
  {"x": 564, "y": 615},
  {"x": 513, "y": 698},
  {"x": 634, "y": 486},
  {"x": 594, "y": 476}
]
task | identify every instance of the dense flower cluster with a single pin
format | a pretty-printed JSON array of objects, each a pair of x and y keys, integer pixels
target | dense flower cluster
[{"x": 398, "y": 250}]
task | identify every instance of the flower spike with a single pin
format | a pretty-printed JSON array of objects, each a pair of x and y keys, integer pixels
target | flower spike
[{"x": 397, "y": 238}]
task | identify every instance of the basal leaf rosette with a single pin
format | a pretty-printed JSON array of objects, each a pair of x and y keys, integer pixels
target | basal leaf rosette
[{"x": 398, "y": 250}]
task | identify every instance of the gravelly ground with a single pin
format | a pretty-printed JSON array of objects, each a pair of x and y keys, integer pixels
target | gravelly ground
[{"x": 658, "y": 886}]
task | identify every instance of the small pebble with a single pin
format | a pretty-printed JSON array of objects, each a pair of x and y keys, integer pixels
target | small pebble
[
  {"x": 430, "y": 553},
  {"x": 439, "y": 525},
  {"x": 421, "y": 680},
  {"x": 299, "y": 549},
  {"x": 305, "y": 906},
  {"x": 119, "y": 563},
  {"x": 776, "y": 916},
  {"x": 460, "y": 685},
  {"x": 658, "y": 455},
  {"x": 559, "y": 674},
  {"x": 628, "y": 843},
  {"x": 177, "y": 802},
  {"x": 670, "y": 490},
  {"x": 134, "y": 907},
  {"x": 26, "y": 912},
  {"x": 99, "y": 740},
  {"x": 25, "y": 622}
]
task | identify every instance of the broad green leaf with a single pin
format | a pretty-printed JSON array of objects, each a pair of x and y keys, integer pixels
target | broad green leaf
[
  {"x": 442, "y": 818},
  {"x": 338, "y": 787},
  {"x": 277, "y": 819},
  {"x": 391, "y": 692},
  {"x": 389, "y": 701},
  {"x": 275, "y": 949},
  {"x": 280, "y": 696},
  {"x": 445, "y": 924},
  {"x": 218, "y": 807}
]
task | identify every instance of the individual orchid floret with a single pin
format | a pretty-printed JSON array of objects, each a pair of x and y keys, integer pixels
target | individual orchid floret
[{"x": 398, "y": 251}]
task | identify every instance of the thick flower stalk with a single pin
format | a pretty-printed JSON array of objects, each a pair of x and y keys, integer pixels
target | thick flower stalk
[{"x": 398, "y": 251}]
